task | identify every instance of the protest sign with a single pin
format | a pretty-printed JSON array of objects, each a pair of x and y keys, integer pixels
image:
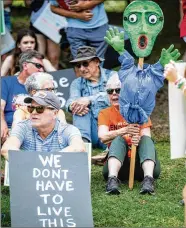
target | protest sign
[
  {"x": 2, "y": 24},
  {"x": 63, "y": 80},
  {"x": 50, "y": 23},
  {"x": 7, "y": 42},
  {"x": 177, "y": 117},
  {"x": 49, "y": 190}
]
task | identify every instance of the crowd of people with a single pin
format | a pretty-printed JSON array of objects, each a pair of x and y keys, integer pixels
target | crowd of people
[{"x": 31, "y": 114}]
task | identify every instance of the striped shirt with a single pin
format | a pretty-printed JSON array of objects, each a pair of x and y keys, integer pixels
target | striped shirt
[{"x": 57, "y": 140}]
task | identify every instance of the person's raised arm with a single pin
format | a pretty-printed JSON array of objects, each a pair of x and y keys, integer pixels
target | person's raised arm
[{"x": 12, "y": 143}]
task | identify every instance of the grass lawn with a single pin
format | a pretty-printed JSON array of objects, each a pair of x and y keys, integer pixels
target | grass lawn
[{"x": 130, "y": 209}]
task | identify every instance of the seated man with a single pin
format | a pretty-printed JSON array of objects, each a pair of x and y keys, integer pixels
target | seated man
[
  {"x": 88, "y": 94},
  {"x": 12, "y": 86},
  {"x": 43, "y": 131},
  {"x": 39, "y": 81},
  {"x": 116, "y": 132}
]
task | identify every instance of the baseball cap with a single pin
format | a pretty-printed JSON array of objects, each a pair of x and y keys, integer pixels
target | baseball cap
[{"x": 45, "y": 98}]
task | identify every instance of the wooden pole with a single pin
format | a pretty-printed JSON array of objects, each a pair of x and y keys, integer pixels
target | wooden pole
[
  {"x": 133, "y": 150},
  {"x": 184, "y": 199},
  {"x": 140, "y": 62},
  {"x": 132, "y": 167}
]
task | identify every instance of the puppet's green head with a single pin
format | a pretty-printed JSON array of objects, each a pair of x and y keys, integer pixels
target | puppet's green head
[{"x": 143, "y": 20}]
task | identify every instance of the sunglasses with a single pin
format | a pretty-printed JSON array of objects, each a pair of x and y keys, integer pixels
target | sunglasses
[
  {"x": 39, "y": 109},
  {"x": 37, "y": 65},
  {"x": 84, "y": 64},
  {"x": 111, "y": 91}
]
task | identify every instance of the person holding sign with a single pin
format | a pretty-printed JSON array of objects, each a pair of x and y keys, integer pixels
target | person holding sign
[
  {"x": 114, "y": 131},
  {"x": 30, "y": 62},
  {"x": 40, "y": 81},
  {"x": 43, "y": 132},
  {"x": 88, "y": 94},
  {"x": 172, "y": 75},
  {"x": 46, "y": 46}
]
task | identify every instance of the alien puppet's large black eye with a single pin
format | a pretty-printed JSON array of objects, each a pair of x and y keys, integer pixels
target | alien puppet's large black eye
[
  {"x": 133, "y": 18},
  {"x": 153, "y": 19}
]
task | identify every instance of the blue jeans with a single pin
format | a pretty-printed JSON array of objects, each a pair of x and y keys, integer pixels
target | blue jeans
[
  {"x": 88, "y": 127},
  {"x": 94, "y": 37}
]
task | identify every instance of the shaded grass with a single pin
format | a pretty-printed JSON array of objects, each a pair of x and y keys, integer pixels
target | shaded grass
[{"x": 130, "y": 209}]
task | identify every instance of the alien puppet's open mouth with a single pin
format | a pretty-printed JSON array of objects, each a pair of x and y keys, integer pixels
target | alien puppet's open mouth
[{"x": 142, "y": 42}]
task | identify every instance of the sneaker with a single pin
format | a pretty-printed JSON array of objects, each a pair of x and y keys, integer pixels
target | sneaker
[
  {"x": 113, "y": 185},
  {"x": 147, "y": 185}
]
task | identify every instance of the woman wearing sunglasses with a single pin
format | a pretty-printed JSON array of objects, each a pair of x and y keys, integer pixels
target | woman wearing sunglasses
[
  {"x": 114, "y": 131},
  {"x": 36, "y": 82},
  {"x": 26, "y": 40}
]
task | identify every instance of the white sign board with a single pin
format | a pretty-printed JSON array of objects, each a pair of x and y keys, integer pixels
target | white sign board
[
  {"x": 7, "y": 42},
  {"x": 177, "y": 118},
  {"x": 50, "y": 23}
]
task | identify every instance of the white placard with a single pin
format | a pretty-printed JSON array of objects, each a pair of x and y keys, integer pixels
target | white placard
[
  {"x": 50, "y": 23},
  {"x": 177, "y": 118},
  {"x": 7, "y": 42}
]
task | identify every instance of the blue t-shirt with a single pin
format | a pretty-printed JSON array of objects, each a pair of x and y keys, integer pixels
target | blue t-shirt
[
  {"x": 10, "y": 89},
  {"x": 99, "y": 18}
]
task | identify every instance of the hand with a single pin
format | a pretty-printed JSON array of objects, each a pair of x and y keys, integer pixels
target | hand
[
  {"x": 115, "y": 39},
  {"x": 85, "y": 15},
  {"x": 80, "y": 106},
  {"x": 4, "y": 131},
  {"x": 79, "y": 6},
  {"x": 135, "y": 140},
  {"x": 133, "y": 129},
  {"x": 169, "y": 54},
  {"x": 170, "y": 72}
]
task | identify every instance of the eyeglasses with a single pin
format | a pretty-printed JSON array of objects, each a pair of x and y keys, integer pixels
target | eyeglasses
[
  {"x": 48, "y": 89},
  {"x": 37, "y": 65},
  {"x": 39, "y": 109},
  {"x": 111, "y": 91},
  {"x": 84, "y": 64}
]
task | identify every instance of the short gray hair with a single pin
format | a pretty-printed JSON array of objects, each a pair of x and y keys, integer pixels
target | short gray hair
[
  {"x": 36, "y": 81},
  {"x": 28, "y": 55}
]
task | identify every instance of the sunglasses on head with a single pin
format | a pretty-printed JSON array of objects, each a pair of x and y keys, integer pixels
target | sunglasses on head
[
  {"x": 39, "y": 109},
  {"x": 37, "y": 65},
  {"x": 84, "y": 64},
  {"x": 111, "y": 91}
]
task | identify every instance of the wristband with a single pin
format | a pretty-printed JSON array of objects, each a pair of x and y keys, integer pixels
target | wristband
[{"x": 180, "y": 83}]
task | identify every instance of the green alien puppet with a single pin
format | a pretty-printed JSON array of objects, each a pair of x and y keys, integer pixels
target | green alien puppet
[{"x": 142, "y": 21}]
